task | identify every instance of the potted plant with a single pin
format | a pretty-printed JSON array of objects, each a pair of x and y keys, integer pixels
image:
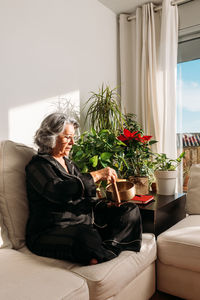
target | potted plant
[
  {"x": 99, "y": 147},
  {"x": 138, "y": 157},
  {"x": 132, "y": 157},
  {"x": 166, "y": 173}
]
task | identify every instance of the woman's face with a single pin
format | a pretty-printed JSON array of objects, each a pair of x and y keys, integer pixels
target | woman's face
[{"x": 64, "y": 141}]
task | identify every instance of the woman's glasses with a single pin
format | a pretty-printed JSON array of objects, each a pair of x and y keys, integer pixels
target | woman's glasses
[{"x": 70, "y": 138}]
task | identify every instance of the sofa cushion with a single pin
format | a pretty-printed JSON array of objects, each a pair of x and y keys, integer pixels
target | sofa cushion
[
  {"x": 13, "y": 201},
  {"x": 193, "y": 194},
  {"x": 4, "y": 239},
  {"x": 23, "y": 277},
  {"x": 179, "y": 246},
  {"x": 107, "y": 279}
]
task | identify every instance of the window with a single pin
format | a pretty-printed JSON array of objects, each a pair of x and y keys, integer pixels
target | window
[
  {"x": 188, "y": 97},
  {"x": 189, "y": 94}
]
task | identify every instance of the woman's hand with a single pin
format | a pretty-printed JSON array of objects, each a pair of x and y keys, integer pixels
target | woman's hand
[{"x": 108, "y": 174}]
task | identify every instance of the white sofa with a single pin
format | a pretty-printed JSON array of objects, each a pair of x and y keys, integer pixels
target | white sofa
[
  {"x": 178, "y": 265},
  {"x": 25, "y": 276}
]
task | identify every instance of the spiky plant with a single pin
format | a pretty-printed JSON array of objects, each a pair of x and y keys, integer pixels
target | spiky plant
[{"x": 104, "y": 110}]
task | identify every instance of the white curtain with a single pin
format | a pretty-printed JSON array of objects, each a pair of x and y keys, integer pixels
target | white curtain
[
  {"x": 148, "y": 52},
  {"x": 166, "y": 86},
  {"x": 138, "y": 60}
]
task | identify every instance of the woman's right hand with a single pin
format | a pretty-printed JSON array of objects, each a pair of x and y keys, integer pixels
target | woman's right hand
[{"x": 107, "y": 174}]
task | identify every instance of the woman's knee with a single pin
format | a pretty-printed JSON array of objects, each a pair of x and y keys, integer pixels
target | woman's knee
[{"x": 88, "y": 237}]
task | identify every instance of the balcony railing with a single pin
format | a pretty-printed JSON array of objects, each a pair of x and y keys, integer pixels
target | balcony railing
[{"x": 191, "y": 146}]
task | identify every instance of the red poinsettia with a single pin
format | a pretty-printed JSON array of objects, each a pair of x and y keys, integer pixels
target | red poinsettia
[
  {"x": 138, "y": 152},
  {"x": 127, "y": 136}
]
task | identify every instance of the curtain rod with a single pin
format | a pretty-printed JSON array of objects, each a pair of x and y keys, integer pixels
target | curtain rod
[{"x": 159, "y": 7}]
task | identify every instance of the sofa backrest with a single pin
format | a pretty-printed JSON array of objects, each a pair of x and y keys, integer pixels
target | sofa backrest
[
  {"x": 13, "y": 200},
  {"x": 193, "y": 193}
]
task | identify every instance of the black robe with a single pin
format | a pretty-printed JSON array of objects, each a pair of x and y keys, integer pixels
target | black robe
[{"x": 67, "y": 222}]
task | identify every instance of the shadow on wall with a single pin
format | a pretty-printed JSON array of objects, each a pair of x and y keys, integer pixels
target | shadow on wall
[{"x": 24, "y": 120}]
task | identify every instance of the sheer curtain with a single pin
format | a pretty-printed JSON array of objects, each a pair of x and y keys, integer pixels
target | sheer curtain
[
  {"x": 148, "y": 53},
  {"x": 167, "y": 72}
]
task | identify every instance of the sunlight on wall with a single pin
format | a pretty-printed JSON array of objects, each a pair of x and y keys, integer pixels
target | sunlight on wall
[{"x": 25, "y": 120}]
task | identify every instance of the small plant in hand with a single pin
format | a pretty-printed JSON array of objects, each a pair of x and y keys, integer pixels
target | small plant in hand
[{"x": 96, "y": 150}]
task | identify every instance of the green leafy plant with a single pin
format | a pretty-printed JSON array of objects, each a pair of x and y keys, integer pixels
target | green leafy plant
[
  {"x": 163, "y": 163},
  {"x": 131, "y": 124},
  {"x": 104, "y": 111},
  {"x": 138, "y": 154},
  {"x": 101, "y": 147},
  {"x": 95, "y": 150}
]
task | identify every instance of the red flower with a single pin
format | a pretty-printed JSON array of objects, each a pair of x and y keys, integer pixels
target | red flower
[
  {"x": 127, "y": 136},
  {"x": 139, "y": 138},
  {"x": 122, "y": 138},
  {"x": 147, "y": 137},
  {"x": 144, "y": 138}
]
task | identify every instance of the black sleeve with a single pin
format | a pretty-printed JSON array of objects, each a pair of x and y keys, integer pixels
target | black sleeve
[
  {"x": 44, "y": 180},
  {"x": 87, "y": 179}
]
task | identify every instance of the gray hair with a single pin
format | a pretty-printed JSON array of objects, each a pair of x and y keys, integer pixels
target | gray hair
[{"x": 54, "y": 124}]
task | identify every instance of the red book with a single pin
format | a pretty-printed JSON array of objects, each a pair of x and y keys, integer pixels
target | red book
[{"x": 142, "y": 199}]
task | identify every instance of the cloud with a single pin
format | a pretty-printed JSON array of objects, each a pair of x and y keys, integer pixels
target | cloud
[{"x": 189, "y": 95}]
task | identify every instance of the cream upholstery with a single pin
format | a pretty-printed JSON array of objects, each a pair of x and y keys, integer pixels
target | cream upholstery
[
  {"x": 178, "y": 266},
  {"x": 180, "y": 245},
  {"x": 13, "y": 202},
  {"x": 193, "y": 199},
  {"x": 179, "y": 282},
  {"x": 33, "y": 277},
  {"x": 109, "y": 278},
  {"x": 4, "y": 239},
  {"x": 22, "y": 277}
]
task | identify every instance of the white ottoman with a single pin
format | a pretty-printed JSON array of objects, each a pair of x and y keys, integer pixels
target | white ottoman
[{"x": 178, "y": 265}]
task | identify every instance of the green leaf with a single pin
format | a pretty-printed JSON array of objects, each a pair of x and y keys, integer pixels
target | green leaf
[
  {"x": 152, "y": 142},
  {"x": 105, "y": 156},
  {"x": 79, "y": 153},
  {"x": 182, "y": 154},
  {"x": 104, "y": 165},
  {"x": 85, "y": 169},
  {"x": 94, "y": 161}
]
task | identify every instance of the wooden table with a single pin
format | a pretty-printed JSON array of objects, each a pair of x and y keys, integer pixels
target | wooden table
[{"x": 164, "y": 212}]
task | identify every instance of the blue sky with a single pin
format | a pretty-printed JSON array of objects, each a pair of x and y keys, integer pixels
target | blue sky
[{"x": 188, "y": 91}]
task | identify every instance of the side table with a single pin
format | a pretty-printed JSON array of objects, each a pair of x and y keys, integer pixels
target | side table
[{"x": 164, "y": 212}]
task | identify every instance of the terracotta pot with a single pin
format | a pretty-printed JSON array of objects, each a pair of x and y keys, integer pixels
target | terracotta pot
[{"x": 141, "y": 184}]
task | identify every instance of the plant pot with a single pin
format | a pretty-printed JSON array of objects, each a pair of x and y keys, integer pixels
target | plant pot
[
  {"x": 166, "y": 182},
  {"x": 141, "y": 184}
]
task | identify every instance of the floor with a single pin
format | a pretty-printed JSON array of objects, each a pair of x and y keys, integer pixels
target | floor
[{"x": 163, "y": 296}]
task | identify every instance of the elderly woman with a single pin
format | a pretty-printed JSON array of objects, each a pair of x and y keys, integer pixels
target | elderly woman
[{"x": 65, "y": 221}]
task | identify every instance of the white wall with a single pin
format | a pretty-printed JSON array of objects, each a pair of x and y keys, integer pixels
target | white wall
[{"x": 50, "y": 48}]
